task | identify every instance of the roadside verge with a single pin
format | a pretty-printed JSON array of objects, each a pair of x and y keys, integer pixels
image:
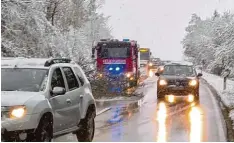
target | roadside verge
[{"x": 225, "y": 111}]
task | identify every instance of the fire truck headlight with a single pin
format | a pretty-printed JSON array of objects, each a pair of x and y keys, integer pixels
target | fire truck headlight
[
  {"x": 100, "y": 75},
  {"x": 117, "y": 68},
  {"x": 128, "y": 75},
  {"x": 110, "y": 69}
]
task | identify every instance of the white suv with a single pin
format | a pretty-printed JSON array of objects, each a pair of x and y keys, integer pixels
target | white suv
[{"x": 43, "y": 98}]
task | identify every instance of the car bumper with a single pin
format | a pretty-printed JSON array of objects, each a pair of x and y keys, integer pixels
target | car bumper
[
  {"x": 9, "y": 136},
  {"x": 177, "y": 91},
  {"x": 25, "y": 123}
]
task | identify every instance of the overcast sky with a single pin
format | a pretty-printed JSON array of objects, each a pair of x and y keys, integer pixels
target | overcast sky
[{"x": 159, "y": 24}]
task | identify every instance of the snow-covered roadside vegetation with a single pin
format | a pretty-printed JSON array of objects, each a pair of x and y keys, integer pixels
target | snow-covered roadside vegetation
[
  {"x": 52, "y": 28},
  {"x": 211, "y": 40},
  {"x": 227, "y": 95}
]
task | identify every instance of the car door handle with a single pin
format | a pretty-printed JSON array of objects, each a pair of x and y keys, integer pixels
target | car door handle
[
  {"x": 68, "y": 101},
  {"x": 81, "y": 96}
]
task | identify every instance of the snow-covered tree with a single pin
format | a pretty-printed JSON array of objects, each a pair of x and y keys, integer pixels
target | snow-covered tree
[
  {"x": 211, "y": 40},
  {"x": 52, "y": 28}
]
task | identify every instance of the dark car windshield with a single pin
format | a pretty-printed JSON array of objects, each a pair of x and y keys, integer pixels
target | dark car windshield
[
  {"x": 144, "y": 55},
  {"x": 22, "y": 79},
  {"x": 179, "y": 70},
  {"x": 122, "y": 52}
]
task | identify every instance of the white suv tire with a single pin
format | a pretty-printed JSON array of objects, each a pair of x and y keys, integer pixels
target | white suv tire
[{"x": 86, "y": 127}]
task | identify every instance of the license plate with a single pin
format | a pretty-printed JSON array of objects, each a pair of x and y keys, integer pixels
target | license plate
[{"x": 177, "y": 88}]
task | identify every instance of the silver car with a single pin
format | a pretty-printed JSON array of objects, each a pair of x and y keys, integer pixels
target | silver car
[{"x": 43, "y": 98}]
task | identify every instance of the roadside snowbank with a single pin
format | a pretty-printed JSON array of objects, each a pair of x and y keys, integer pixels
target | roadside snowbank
[{"x": 227, "y": 95}]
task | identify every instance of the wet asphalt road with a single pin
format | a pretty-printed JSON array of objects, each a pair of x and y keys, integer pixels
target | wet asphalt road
[{"x": 149, "y": 123}]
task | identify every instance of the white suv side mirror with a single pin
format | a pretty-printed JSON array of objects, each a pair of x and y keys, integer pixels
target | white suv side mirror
[{"x": 58, "y": 91}]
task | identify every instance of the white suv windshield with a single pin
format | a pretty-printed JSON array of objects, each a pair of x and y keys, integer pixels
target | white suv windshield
[{"x": 22, "y": 79}]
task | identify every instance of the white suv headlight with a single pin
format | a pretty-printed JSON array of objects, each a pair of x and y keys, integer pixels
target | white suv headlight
[{"x": 17, "y": 112}]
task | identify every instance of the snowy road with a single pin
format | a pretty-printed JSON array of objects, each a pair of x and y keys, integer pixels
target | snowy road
[{"x": 202, "y": 123}]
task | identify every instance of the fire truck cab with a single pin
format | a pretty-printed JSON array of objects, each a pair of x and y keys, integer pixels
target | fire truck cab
[{"x": 117, "y": 59}]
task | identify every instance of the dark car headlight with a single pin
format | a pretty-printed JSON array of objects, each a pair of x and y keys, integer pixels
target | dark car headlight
[
  {"x": 193, "y": 82},
  {"x": 162, "y": 82}
]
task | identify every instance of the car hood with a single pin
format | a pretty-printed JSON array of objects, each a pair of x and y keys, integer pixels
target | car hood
[
  {"x": 174, "y": 77},
  {"x": 13, "y": 98}
]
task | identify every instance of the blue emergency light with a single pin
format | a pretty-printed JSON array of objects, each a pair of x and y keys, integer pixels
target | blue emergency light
[
  {"x": 117, "y": 68},
  {"x": 126, "y": 40},
  {"x": 110, "y": 69}
]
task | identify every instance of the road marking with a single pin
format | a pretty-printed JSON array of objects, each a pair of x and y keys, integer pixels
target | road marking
[
  {"x": 104, "y": 110},
  {"x": 222, "y": 137}
]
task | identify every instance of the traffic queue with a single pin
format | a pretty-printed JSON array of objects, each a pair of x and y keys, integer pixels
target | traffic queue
[{"x": 123, "y": 62}]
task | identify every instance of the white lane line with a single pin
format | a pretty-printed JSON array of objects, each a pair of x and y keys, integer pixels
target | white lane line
[
  {"x": 222, "y": 137},
  {"x": 103, "y": 110}
]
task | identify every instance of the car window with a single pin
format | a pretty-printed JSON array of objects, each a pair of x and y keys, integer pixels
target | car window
[
  {"x": 79, "y": 74},
  {"x": 57, "y": 79},
  {"x": 178, "y": 70},
  {"x": 71, "y": 78},
  {"x": 23, "y": 79}
]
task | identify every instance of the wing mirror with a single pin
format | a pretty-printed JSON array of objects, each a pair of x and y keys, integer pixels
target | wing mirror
[
  {"x": 199, "y": 74},
  {"x": 58, "y": 91},
  {"x": 157, "y": 74}
]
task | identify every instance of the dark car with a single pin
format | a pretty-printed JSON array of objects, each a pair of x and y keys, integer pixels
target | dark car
[{"x": 178, "y": 81}]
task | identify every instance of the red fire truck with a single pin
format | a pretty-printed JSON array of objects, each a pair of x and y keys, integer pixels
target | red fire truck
[{"x": 117, "y": 59}]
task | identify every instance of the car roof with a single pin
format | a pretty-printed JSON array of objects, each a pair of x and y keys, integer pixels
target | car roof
[
  {"x": 35, "y": 63},
  {"x": 183, "y": 63}
]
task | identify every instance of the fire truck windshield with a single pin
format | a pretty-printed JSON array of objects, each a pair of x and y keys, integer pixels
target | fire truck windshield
[
  {"x": 120, "y": 52},
  {"x": 144, "y": 55}
]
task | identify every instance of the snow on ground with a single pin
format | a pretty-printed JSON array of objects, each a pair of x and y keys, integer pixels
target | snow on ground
[
  {"x": 227, "y": 95},
  {"x": 111, "y": 99},
  {"x": 149, "y": 95}
]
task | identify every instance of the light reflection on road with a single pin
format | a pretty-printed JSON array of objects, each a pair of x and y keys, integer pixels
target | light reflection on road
[
  {"x": 161, "y": 118},
  {"x": 195, "y": 125}
]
